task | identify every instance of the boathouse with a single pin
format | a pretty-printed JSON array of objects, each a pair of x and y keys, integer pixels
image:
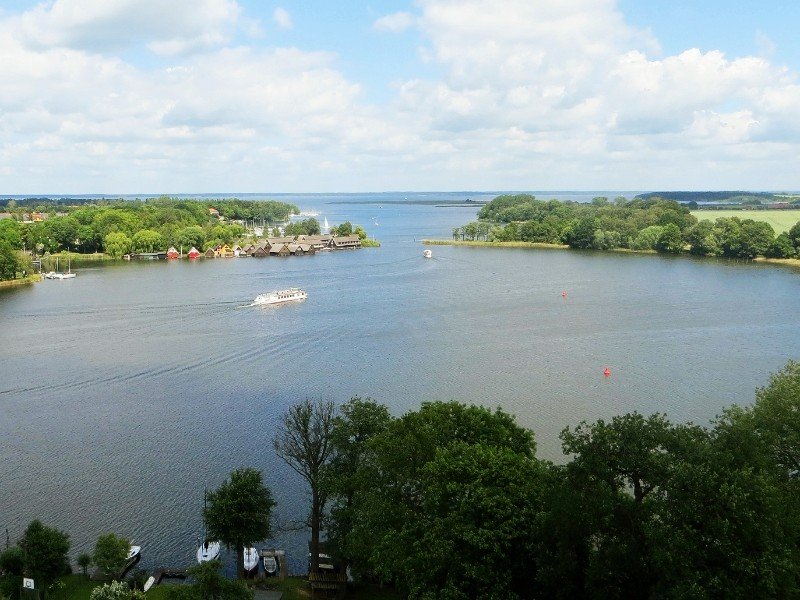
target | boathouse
[
  {"x": 279, "y": 250},
  {"x": 172, "y": 252},
  {"x": 346, "y": 241}
]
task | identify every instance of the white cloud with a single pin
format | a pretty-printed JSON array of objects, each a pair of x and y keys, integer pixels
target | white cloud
[
  {"x": 526, "y": 95},
  {"x": 395, "y": 23},
  {"x": 175, "y": 27},
  {"x": 282, "y": 18}
]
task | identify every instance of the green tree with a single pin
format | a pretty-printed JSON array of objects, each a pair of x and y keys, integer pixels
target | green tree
[
  {"x": 794, "y": 235},
  {"x": 475, "y": 526},
  {"x": 188, "y": 237},
  {"x": 647, "y": 238},
  {"x": 8, "y": 262},
  {"x": 359, "y": 231},
  {"x": 755, "y": 238},
  {"x": 702, "y": 240},
  {"x": 45, "y": 553},
  {"x": 359, "y": 420},
  {"x": 239, "y": 512},
  {"x": 345, "y": 228},
  {"x": 781, "y": 247},
  {"x": 111, "y": 554},
  {"x": 670, "y": 240},
  {"x": 10, "y": 233},
  {"x": 117, "y": 244},
  {"x": 303, "y": 441},
  {"x": 84, "y": 561},
  {"x": 12, "y": 561},
  {"x": 581, "y": 233},
  {"x": 147, "y": 240}
]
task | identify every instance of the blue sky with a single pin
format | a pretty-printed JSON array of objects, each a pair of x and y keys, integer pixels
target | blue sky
[{"x": 223, "y": 95}]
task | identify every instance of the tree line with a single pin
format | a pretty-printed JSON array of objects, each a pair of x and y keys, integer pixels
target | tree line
[
  {"x": 450, "y": 501},
  {"x": 122, "y": 226},
  {"x": 652, "y": 224}
]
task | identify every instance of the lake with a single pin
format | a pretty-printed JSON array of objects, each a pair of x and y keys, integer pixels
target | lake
[{"x": 127, "y": 391}]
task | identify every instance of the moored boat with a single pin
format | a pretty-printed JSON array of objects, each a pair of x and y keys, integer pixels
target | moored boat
[
  {"x": 250, "y": 559},
  {"x": 208, "y": 551},
  {"x": 279, "y": 297},
  {"x": 133, "y": 552}
]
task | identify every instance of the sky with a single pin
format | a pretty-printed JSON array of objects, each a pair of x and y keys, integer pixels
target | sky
[{"x": 193, "y": 96}]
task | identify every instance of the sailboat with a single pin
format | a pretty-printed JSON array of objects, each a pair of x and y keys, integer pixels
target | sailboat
[
  {"x": 326, "y": 229},
  {"x": 56, "y": 275},
  {"x": 208, "y": 550}
]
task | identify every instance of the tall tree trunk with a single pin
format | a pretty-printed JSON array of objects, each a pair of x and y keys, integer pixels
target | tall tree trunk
[{"x": 315, "y": 526}]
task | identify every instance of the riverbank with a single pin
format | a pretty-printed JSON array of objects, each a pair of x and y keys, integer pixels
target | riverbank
[
  {"x": 23, "y": 281},
  {"x": 482, "y": 244},
  {"x": 786, "y": 262}
]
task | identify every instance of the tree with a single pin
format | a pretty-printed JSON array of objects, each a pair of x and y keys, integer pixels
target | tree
[
  {"x": 10, "y": 233},
  {"x": 647, "y": 238},
  {"x": 794, "y": 235},
  {"x": 756, "y": 238},
  {"x": 303, "y": 441},
  {"x": 702, "y": 240},
  {"x": 359, "y": 420},
  {"x": 345, "y": 228},
  {"x": 12, "y": 561},
  {"x": 239, "y": 512},
  {"x": 8, "y": 262},
  {"x": 147, "y": 240},
  {"x": 581, "y": 233},
  {"x": 84, "y": 560},
  {"x": 111, "y": 554},
  {"x": 189, "y": 237},
  {"x": 781, "y": 247},
  {"x": 670, "y": 240},
  {"x": 359, "y": 231},
  {"x": 117, "y": 244},
  {"x": 45, "y": 553}
]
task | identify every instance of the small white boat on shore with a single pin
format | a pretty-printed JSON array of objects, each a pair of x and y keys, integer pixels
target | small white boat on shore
[
  {"x": 133, "y": 552},
  {"x": 427, "y": 253},
  {"x": 208, "y": 551},
  {"x": 279, "y": 297},
  {"x": 250, "y": 559}
]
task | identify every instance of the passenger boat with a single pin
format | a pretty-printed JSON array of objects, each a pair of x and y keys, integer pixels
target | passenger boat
[{"x": 279, "y": 297}]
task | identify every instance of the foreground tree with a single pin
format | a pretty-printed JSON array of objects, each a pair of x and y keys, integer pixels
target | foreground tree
[
  {"x": 239, "y": 512},
  {"x": 8, "y": 262},
  {"x": 44, "y": 552},
  {"x": 359, "y": 420},
  {"x": 303, "y": 441},
  {"x": 111, "y": 554}
]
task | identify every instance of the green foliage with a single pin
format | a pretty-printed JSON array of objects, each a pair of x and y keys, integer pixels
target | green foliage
[
  {"x": 110, "y": 554},
  {"x": 147, "y": 240},
  {"x": 12, "y": 561},
  {"x": 781, "y": 247},
  {"x": 116, "y": 590},
  {"x": 239, "y": 512},
  {"x": 210, "y": 585},
  {"x": 670, "y": 240},
  {"x": 647, "y": 238},
  {"x": 9, "y": 265},
  {"x": 45, "y": 553},
  {"x": 306, "y": 227},
  {"x": 189, "y": 237},
  {"x": 116, "y": 244},
  {"x": 702, "y": 240},
  {"x": 345, "y": 228},
  {"x": 10, "y": 233},
  {"x": 84, "y": 561}
]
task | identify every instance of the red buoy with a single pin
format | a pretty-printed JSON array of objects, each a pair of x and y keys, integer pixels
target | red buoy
[
  {"x": 607, "y": 372},
  {"x": 563, "y": 294}
]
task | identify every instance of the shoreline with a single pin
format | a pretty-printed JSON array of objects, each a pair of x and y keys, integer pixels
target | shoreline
[
  {"x": 784, "y": 262},
  {"x": 23, "y": 281}
]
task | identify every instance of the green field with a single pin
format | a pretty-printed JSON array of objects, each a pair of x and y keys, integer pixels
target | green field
[{"x": 781, "y": 220}]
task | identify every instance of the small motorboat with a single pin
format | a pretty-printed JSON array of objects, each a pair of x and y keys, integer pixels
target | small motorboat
[
  {"x": 427, "y": 253},
  {"x": 149, "y": 583},
  {"x": 270, "y": 566},
  {"x": 250, "y": 559},
  {"x": 133, "y": 552},
  {"x": 208, "y": 551}
]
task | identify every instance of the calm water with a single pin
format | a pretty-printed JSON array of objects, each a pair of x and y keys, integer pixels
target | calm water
[{"x": 125, "y": 392}]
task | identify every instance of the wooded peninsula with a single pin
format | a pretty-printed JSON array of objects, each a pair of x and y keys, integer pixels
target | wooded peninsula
[{"x": 640, "y": 224}]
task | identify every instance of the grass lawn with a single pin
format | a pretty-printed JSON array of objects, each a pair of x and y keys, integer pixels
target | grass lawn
[{"x": 781, "y": 220}]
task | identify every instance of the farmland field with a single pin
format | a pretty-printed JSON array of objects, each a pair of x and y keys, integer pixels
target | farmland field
[{"x": 781, "y": 220}]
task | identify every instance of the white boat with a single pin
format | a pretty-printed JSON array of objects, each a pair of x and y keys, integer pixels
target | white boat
[
  {"x": 149, "y": 583},
  {"x": 250, "y": 559},
  {"x": 279, "y": 297},
  {"x": 133, "y": 552},
  {"x": 270, "y": 565},
  {"x": 56, "y": 275},
  {"x": 207, "y": 551},
  {"x": 427, "y": 253}
]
